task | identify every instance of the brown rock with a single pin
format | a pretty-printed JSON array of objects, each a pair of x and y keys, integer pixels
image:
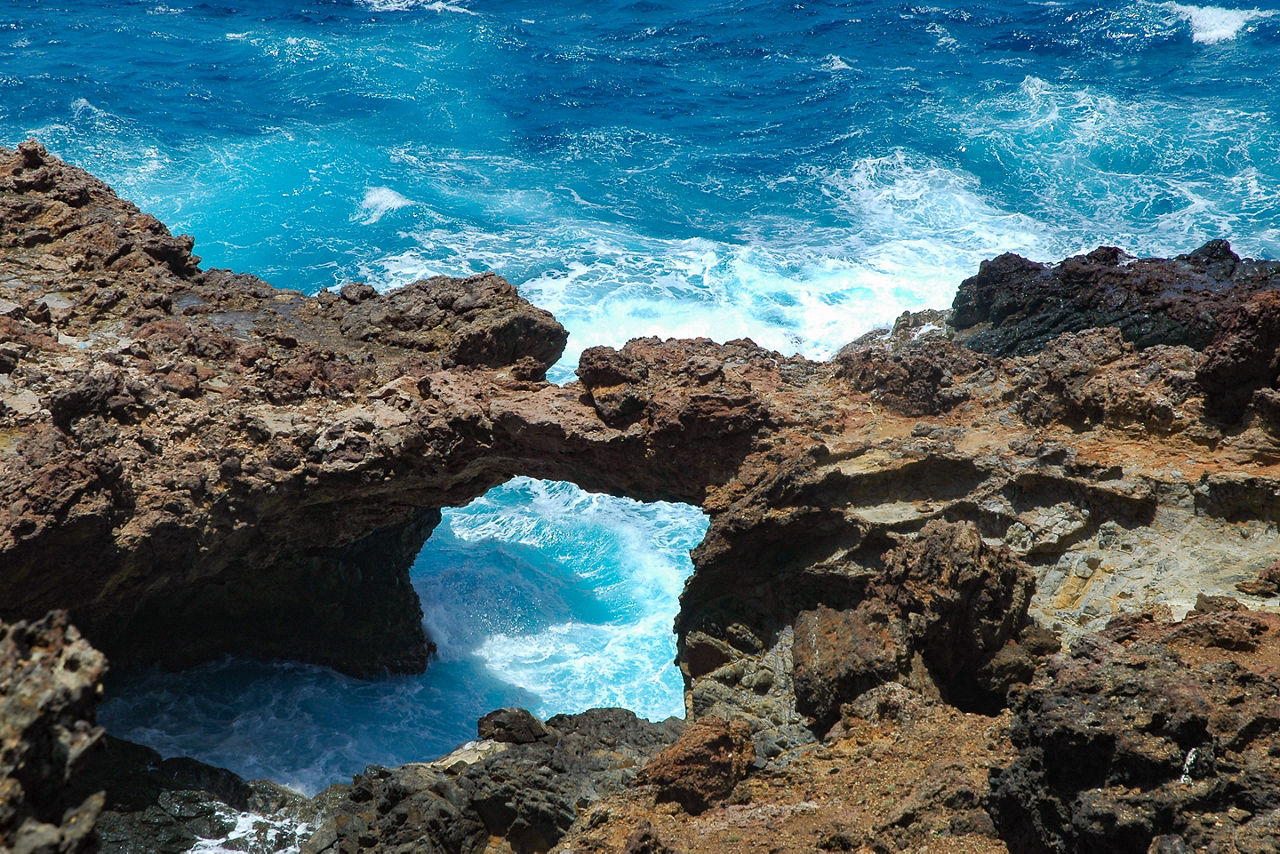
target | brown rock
[
  {"x": 644, "y": 840},
  {"x": 944, "y": 607},
  {"x": 841, "y": 654},
  {"x": 1266, "y": 584},
  {"x": 1153, "y": 733},
  {"x": 703, "y": 766},
  {"x": 919, "y": 381},
  {"x": 1242, "y": 358},
  {"x": 513, "y": 726}
]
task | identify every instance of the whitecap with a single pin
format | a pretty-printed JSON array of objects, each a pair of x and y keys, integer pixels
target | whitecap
[
  {"x": 835, "y": 63},
  {"x": 630, "y": 558},
  {"x": 407, "y": 5},
  {"x": 80, "y": 106},
  {"x": 572, "y": 667},
  {"x": 380, "y": 201},
  {"x": 907, "y": 229},
  {"x": 1156, "y": 177},
  {"x": 1214, "y": 24},
  {"x": 253, "y": 831},
  {"x": 945, "y": 40}
]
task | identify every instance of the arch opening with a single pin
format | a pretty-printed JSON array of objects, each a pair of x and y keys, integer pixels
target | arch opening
[{"x": 537, "y": 594}]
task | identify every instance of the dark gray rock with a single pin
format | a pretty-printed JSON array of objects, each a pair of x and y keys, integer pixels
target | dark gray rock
[
  {"x": 167, "y": 805},
  {"x": 527, "y": 793},
  {"x": 513, "y": 726},
  {"x": 1013, "y": 306},
  {"x": 1149, "y": 737}
]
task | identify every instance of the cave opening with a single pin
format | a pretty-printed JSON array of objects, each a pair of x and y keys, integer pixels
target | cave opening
[{"x": 537, "y": 594}]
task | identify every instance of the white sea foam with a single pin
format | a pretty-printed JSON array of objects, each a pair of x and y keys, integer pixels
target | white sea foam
[
  {"x": 1214, "y": 24},
  {"x": 631, "y": 557},
  {"x": 573, "y": 667},
  {"x": 946, "y": 41},
  {"x": 905, "y": 230},
  {"x": 253, "y": 832},
  {"x": 1134, "y": 173},
  {"x": 378, "y": 202},
  {"x": 407, "y": 5},
  {"x": 835, "y": 63}
]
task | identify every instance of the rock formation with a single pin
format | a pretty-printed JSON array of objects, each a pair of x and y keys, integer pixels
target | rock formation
[
  {"x": 1150, "y": 731},
  {"x": 49, "y": 683},
  {"x": 525, "y": 792},
  {"x": 926, "y": 519}
]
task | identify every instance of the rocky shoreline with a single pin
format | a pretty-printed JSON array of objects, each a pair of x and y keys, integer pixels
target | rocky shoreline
[{"x": 1001, "y": 578}]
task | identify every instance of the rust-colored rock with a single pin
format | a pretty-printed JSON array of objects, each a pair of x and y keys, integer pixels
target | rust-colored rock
[
  {"x": 703, "y": 766},
  {"x": 902, "y": 773},
  {"x": 943, "y": 607},
  {"x": 918, "y": 381},
  {"x": 644, "y": 840},
  {"x": 1266, "y": 584}
]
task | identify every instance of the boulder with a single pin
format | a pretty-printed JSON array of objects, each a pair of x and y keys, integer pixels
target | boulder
[
  {"x": 703, "y": 766},
  {"x": 1014, "y": 306},
  {"x": 944, "y": 607},
  {"x": 527, "y": 793}
]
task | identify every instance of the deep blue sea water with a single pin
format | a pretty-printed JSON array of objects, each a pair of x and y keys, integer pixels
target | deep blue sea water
[{"x": 793, "y": 172}]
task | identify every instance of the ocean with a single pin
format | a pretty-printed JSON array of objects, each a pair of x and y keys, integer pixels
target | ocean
[{"x": 795, "y": 173}]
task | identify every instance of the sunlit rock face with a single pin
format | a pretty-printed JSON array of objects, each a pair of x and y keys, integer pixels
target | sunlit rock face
[{"x": 196, "y": 463}]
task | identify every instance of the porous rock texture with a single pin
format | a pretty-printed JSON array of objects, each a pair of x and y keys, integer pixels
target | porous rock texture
[
  {"x": 49, "y": 684},
  {"x": 703, "y": 766},
  {"x": 1150, "y": 731},
  {"x": 526, "y": 793},
  {"x": 165, "y": 806},
  {"x": 192, "y": 454}
]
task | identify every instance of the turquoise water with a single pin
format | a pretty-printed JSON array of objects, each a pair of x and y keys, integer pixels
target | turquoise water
[
  {"x": 538, "y": 595},
  {"x": 792, "y": 172}
]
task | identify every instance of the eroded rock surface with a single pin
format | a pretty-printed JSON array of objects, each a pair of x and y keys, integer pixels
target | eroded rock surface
[
  {"x": 944, "y": 606},
  {"x": 1014, "y": 306},
  {"x": 526, "y": 793},
  {"x": 50, "y": 679},
  {"x": 900, "y": 772},
  {"x": 703, "y": 766},
  {"x": 193, "y": 454},
  {"x": 159, "y": 806},
  {"x": 1149, "y": 731}
]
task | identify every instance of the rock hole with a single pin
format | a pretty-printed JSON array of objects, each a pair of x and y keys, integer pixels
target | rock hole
[{"x": 537, "y": 594}]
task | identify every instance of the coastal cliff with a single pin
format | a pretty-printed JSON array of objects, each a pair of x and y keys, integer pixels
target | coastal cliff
[{"x": 1000, "y": 575}]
